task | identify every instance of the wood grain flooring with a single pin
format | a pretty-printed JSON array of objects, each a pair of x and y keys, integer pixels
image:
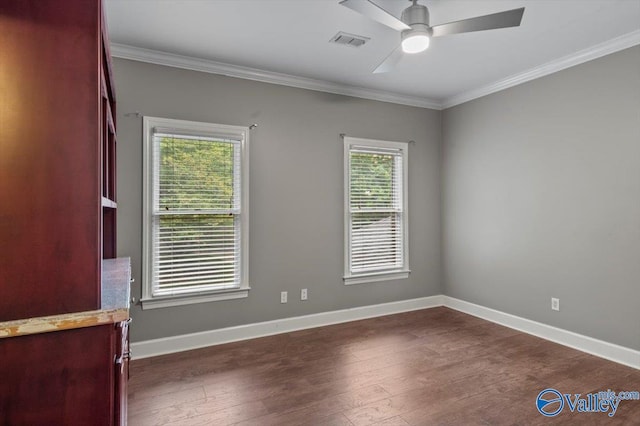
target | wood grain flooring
[{"x": 429, "y": 367}]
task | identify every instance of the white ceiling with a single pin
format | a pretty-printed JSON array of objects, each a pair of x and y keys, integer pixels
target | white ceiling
[{"x": 292, "y": 37}]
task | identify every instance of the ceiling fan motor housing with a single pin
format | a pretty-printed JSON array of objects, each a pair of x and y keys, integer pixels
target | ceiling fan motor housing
[
  {"x": 416, "y": 31},
  {"x": 417, "y": 17}
]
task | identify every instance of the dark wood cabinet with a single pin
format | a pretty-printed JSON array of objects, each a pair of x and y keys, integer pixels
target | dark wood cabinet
[
  {"x": 69, "y": 369},
  {"x": 121, "y": 373},
  {"x": 59, "y": 378},
  {"x": 64, "y": 298},
  {"x": 57, "y": 156}
]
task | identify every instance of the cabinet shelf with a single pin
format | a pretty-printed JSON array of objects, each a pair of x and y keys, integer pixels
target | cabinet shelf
[{"x": 109, "y": 203}]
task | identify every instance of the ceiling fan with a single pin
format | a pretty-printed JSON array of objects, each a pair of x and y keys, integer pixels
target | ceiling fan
[{"x": 415, "y": 29}]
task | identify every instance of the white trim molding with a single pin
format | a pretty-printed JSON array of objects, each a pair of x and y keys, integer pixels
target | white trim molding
[
  {"x": 376, "y": 277},
  {"x": 400, "y": 204},
  {"x": 152, "y": 295},
  {"x": 159, "y": 302},
  {"x": 600, "y": 348},
  {"x": 204, "y": 65},
  {"x": 614, "y": 45},
  {"x": 185, "y": 342}
]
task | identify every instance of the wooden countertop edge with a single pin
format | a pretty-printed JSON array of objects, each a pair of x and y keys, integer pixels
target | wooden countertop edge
[{"x": 37, "y": 325}]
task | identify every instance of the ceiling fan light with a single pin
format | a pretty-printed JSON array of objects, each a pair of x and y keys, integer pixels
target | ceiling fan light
[{"x": 415, "y": 43}]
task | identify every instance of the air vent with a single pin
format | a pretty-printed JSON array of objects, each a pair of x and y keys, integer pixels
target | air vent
[{"x": 347, "y": 39}]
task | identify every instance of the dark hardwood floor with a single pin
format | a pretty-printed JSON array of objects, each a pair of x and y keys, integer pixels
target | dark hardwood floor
[{"x": 429, "y": 367}]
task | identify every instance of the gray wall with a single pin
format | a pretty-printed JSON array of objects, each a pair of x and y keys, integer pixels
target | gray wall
[
  {"x": 540, "y": 195},
  {"x": 296, "y": 190},
  {"x": 541, "y": 199}
]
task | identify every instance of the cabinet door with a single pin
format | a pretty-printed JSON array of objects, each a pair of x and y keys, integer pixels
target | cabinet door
[
  {"x": 57, "y": 378},
  {"x": 121, "y": 372},
  {"x": 49, "y": 159}
]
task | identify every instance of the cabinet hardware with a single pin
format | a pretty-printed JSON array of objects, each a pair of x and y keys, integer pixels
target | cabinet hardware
[{"x": 120, "y": 359}]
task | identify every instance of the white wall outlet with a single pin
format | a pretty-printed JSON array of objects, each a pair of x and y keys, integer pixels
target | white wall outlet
[
  {"x": 303, "y": 294},
  {"x": 555, "y": 304},
  {"x": 283, "y": 297}
]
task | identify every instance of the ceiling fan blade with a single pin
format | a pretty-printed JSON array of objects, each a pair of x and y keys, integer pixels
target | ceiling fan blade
[
  {"x": 509, "y": 18},
  {"x": 375, "y": 12},
  {"x": 390, "y": 61}
]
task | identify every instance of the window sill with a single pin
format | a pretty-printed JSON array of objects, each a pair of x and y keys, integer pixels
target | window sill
[
  {"x": 374, "y": 277},
  {"x": 189, "y": 299}
]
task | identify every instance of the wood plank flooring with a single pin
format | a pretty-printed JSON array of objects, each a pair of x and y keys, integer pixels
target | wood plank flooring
[{"x": 429, "y": 367}]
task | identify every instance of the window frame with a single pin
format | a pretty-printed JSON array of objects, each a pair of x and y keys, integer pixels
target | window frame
[
  {"x": 149, "y": 300},
  {"x": 402, "y": 272}
]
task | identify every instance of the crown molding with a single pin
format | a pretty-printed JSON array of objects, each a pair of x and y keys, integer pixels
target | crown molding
[
  {"x": 614, "y": 45},
  {"x": 203, "y": 65}
]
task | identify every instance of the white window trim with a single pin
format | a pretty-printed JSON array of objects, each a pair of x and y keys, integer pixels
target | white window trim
[
  {"x": 393, "y": 274},
  {"x": 148, "y": 300}
]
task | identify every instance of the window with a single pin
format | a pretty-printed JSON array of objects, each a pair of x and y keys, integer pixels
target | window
[
  {"x": 195, "y": 214},
  {"x": 375, "y": 210}
]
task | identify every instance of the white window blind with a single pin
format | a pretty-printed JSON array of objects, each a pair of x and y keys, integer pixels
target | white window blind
[
  {"x": 376, "y": 208},
  {"x": 195, "y": 243}
]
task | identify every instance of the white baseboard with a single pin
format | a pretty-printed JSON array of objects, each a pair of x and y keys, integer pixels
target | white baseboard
[
  {"x": 600, "y": 348},
  {"x": 185, "y": 342}
]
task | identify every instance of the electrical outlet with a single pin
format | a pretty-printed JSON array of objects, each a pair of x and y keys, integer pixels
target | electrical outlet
[
  {"x": 555, "y": 304},
  {"x": 283, "y": 297},
  {"x": 303, "y": 294}
]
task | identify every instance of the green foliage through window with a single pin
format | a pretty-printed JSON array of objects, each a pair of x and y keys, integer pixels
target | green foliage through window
[
  {"x": 196, "y": 174},
  {"x": 375, "y": 204},
  {"x": 196, "y": 243},
  {"x": 371, "y": 180}
]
